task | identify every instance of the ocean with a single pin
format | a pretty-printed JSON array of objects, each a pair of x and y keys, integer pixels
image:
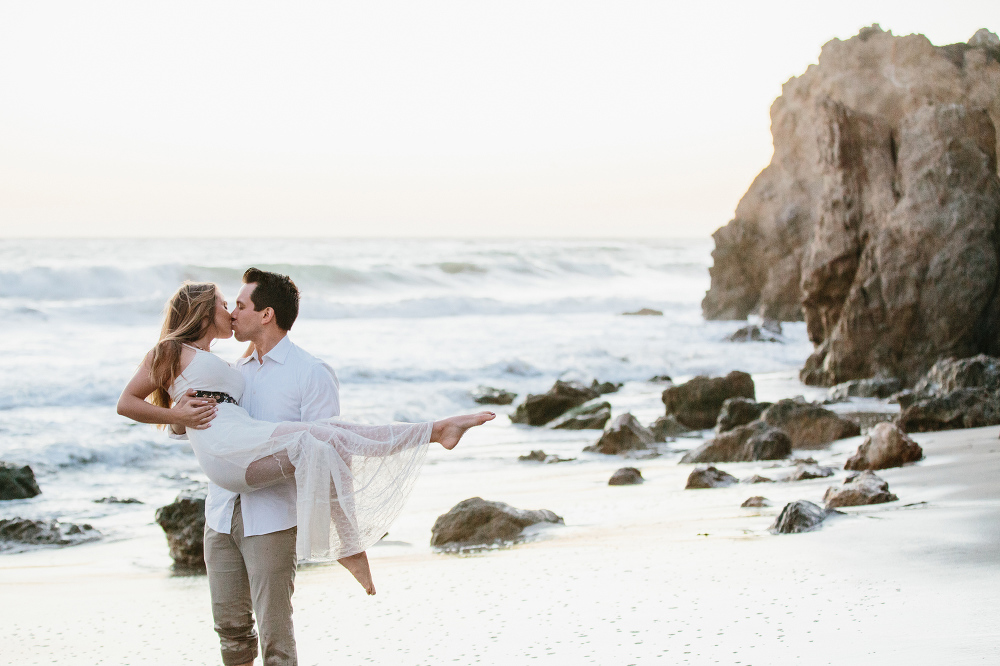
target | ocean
[{"x": 411, "y": 327}]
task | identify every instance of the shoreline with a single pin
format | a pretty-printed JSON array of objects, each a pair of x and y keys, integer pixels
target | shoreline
[{"x": 629, "y": 579}]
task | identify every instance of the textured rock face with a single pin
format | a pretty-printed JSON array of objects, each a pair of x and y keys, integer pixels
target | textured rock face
[
  {"x": 876, "y": 220},
  {"x": 590, "y": 415},
  {"x": 626, "y": 476},
  {"x": 697, "y": 403},
  {"x": 476, "y": 521},
  {"x": 17, "y": 482},
  {"x": 858, "y": 490},
  {"x": 538, "y": 410},
  {"x": 709, "y": 477},
  {"x": 624, "y": 434},
  {"x": 183, "y": 521},
  {"x": 755, "y": 441},
  {"x": 962, "y": 408},
  {"x": 884, "y": 446},
  {"x": 949, "y": 374},
  {"x": 808, "y": 425},
  {"x": 739, "y": 411},
  {"x": 799, "y": 516},
  {"x": 43, "y": 533},
  {"x": 875, "y": 387}
]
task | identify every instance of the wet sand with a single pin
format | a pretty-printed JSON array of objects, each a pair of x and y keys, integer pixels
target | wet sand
[{"x": 639, "y": 574}]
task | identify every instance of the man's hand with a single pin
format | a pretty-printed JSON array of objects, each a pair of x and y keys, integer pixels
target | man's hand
[{"x": 192, "y": 412}]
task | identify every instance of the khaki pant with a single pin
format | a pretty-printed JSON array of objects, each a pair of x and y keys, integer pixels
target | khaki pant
[{"x": 248, "y": 575}]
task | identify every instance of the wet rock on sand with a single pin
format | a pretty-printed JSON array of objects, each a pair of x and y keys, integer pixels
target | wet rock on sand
[
  {"x": 539, "y": 409},
  {"x": 874, "y": 387},
  {"x": 884, "y": 446},
  {"x": 698, "y": 402},
  {"x": 808, "y": 425},
  {"x": 183, "y": 521},
  {"x": 592, "y": 415},
  {"x": 44, "y": 533},
  {"x": 804, "y": 471},
  {"x": 476, "y": 521},
  {"x": 962, "y": 408},
  {"x": 756, "y": 501},
  {"x": 756, "y": 478},
  {"x": 858, "y": 490},
  {"x": 17, "y": 482},
  {"x": 709, "y": 477},
  {"x": 488, "y": 395},
  {"x": 739, "y": 411},
  {"x": 799, "y": 516},
  {"x": 949, "y": 374},
  {"x": 624, "y": 434},
  {"x": 667, "y": 426},
  {"x": 755, "y": 441},
  {"x": 626, "y": 476},
  {"x": 540, "y": 456}
]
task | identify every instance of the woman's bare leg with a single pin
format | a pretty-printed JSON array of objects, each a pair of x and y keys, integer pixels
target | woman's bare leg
[
  {"x": 448, "y": 431},
  {"x": 358, "y": 566}
]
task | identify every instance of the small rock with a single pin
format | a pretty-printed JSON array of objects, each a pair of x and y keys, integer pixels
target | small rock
[
  {"x": 656, "y": 379},
  {"x": 626, "y": 476},
  {"x": 183, "y": 521},
  {"x": 739, "y": 411},
  {"x": 754, "y": 441},
  {"x": 476, "y": 521},
  {"x": 487, "y": 395},
  {"x": 807, "y": 424},
  {"x": 756, "y": 502},
  {"x": 539, "y": 409},
  {"x": 45, "y": 532},
  {"x": 624, "y": 434},
  {"x": 542, "y": 457},
  {"x": 17, "y": 482},
  {"x": 858, "y": 490},
  {"x": 884, "y": 446},
  {"x": 962, "y": 408},
  {"x": 709, "y": 477},
  {"x": 757, "y": 478},
  {"x": 799, "y": 516},
  {"x": 804, "y": 471},
  {"x": 875, "y": 387},
  {"x": 698, "y": 402},
  {"x": 645, "y": 312},
  {"x": 115, "y": 500},
  {"x": 667, "y": 426},
  {"x": 751, "y": 333},
  {"x": 604, "y": 388},
  {"x": 592, "y": 415}
]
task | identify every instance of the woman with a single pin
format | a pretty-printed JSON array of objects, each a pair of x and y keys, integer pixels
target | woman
[{"x": 353, "y": 477}]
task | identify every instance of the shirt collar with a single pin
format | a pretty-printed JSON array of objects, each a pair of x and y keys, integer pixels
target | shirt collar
[{"x": 278, "y": 354}]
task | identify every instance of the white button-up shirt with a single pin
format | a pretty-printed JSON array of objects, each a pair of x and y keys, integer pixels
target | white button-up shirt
[{"x": 288, "y": 384}]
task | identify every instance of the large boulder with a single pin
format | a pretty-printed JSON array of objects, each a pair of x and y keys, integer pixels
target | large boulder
[
  {"x": 962, "y": 408},
  {"x": 592, "y": 415},
  {"x": 667, "y": 426},
  {"x": 183, "y": 521},
  {"x": 872, "y": 387},
  {"x": 876, "y": 218},
  {"x": 858, "y": 490},
  {"x": 799, "y": 516},
  {"x": 538, "y": 410},
  {"x": 709, "y": 477},
  {"x": 739, "y": 411},
  {"x": 624, "y": 434},
  {"x": 754, "y": 441},
  {"x": 809, "y": 425},
  {"x": 17, "y": 482},
  {"x": 950, "y": 374},
  {"x": 698, "y": 402},
  {"x": 626, "y": 476},
  {"x": 23, "y": 531},
  {"x": 884, "y": 446},
  {"x": 476, "y": 521}
]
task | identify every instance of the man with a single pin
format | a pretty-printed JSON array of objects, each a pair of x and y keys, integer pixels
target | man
[{"x": 250, "y": 537}]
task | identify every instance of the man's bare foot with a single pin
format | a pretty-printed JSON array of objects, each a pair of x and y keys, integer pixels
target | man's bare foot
[
  {"x": 358, "y": 566},
  {"x": 449, "y": 431}
]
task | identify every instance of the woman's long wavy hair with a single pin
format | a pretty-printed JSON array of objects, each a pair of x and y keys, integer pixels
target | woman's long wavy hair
[{"x": 188, "y": 313}]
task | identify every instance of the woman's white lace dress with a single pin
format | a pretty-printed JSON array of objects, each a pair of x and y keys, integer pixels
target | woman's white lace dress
[{"x": 351, "y": 479}]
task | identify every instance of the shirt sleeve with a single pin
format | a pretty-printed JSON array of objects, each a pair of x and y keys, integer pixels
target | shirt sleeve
[{"x": 320, "y": 393}]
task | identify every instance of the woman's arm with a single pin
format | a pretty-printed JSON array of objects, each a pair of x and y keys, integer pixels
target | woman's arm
[{"x": 194, "y": 413}]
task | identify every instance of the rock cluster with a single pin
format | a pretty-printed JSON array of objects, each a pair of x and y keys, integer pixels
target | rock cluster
[
  {"x": 44, "y": 532},
  {"x": 858, "y": 490},
  {"x": 183, "y": 521},
  {"x": 876, "y": 218},
  {"x": 755, "y": 441},
  {"x": 17, "y": 482},
  {"x": 739, "y": 411},
  {"x": 872, "y": 387},
  {"x": 884, "y": 446},
  {"x": 698, "y": 402},
  {"x": 476, "y": 521},
  {"x": 955, "y": 393},
  {"x": 538, "y": 410},
  {"x": 540, "y": 456}
]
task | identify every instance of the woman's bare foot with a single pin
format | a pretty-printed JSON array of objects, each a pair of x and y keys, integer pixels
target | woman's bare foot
[
  {"x": 449, "y": 431},
  {"x": 358, "y": 566}
]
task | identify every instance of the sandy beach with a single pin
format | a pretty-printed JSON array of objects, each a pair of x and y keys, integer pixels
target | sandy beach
[{"x": 639, "y": 574}]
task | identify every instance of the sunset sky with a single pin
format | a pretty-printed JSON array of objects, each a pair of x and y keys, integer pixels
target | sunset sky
[{"x": 492, "y": 119}]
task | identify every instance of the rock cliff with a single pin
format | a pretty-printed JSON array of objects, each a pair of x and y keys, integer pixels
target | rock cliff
[{"x": 877, "y": 219}]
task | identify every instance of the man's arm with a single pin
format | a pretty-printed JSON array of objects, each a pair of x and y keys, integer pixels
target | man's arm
[{"x": 320, "y": 393}]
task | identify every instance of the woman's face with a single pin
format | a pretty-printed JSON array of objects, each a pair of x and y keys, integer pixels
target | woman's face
[{"x": 222, "y": 322}]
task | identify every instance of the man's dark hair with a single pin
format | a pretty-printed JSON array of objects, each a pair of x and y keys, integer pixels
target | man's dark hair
[{"x": 275, "y": 291}]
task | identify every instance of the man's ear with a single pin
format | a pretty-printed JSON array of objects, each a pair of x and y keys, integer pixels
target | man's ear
[{"x": 267, "y": 316}]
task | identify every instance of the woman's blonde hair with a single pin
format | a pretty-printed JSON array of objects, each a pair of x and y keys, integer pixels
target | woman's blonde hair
[{"x": 188, "y": 313}]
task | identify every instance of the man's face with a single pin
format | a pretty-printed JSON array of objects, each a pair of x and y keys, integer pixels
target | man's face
[{"x": 247, "y": 323}]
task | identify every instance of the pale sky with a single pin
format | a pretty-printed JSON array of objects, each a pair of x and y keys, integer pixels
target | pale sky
[{"x": 408, "y": 118}]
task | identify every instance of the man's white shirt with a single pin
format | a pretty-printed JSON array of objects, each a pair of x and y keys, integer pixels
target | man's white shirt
[{"x": 287, "y": 384}]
